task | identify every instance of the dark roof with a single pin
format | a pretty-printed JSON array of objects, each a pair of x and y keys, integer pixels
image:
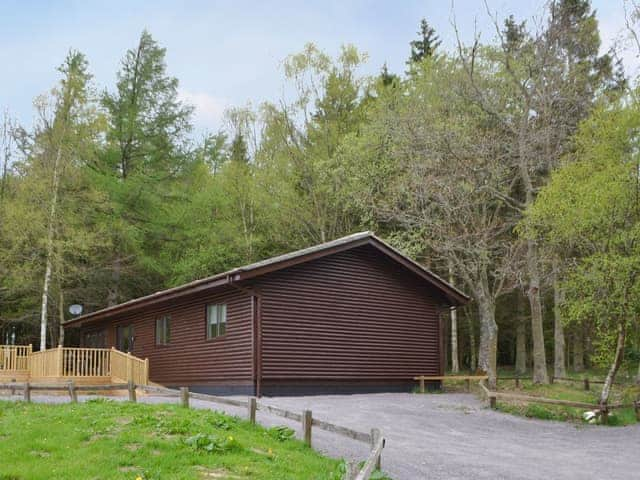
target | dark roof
[{"x": 452, "y": 294}]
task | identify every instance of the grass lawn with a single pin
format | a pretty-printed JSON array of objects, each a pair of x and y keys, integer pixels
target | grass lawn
[
  {"x": 104, "y": 439},
  {"x": 571, "y": 391},
  {"x": 560, "y": 390}
]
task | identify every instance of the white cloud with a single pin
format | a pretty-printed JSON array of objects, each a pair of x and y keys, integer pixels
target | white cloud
[{"x": 209, "y": 110}]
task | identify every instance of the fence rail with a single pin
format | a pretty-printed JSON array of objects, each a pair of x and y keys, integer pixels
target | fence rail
[{"x": 602, "y": 409}]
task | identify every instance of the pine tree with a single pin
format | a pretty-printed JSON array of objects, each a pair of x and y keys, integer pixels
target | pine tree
[{"x": 426, "y": 44}]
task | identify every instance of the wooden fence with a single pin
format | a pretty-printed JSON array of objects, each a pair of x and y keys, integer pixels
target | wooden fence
[
  {"x": 126, "y": 367},
  {"x": 602, "y": 409},
  {"x": 15, "y": 358},
  {"x": 99, "y": 365},
  {"x": 305, "y": 418}
]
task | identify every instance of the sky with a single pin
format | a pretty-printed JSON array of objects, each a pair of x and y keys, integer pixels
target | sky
[{"x": 230, "y": 53}]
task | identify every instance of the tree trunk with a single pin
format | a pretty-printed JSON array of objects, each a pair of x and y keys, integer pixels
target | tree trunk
[
  {"x": 559, "y": 364},
  {"x": 638, "y": 375},
  {"x": 473, "y": 361},
  {"x": 113, "y": 295},
  {"x": 617, "y": 360},
  {"x": 49, "y": 255},
  {"x": 455, "y": 365},
  {"x": 521, "y": 347},
  {"x": 540, "y": 375},
  {"x": 61, "y": 318},
  {"x": 488, "y": 338},
  {"x": 578, "y": 350}
]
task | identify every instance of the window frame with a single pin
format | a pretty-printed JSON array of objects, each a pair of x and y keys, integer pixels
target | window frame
[
  {"x": 214, "y": 338},
  {"x": 166, "y": 328}
]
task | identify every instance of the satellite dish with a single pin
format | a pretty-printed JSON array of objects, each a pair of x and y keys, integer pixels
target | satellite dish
[{"x": 75, "y": 309}]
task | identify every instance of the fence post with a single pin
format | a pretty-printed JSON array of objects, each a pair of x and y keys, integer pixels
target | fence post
[
  {"x": 184, "y": 397},
  {"x": 60, "y": 361},
  {"x": 421, "y": 385},
  {"x": 375, "y": 438},
  {"x": 467, "y": 385},
  {"x": 636, "y": 407},
  {"x": 586, "y": 383},
  {"x": 492, "y": 401},
  {"x": 252, "y": 405},
  {"x": 129, "y": 368},
  {"x": 27, "y": 392},
  {"x": 73, "y": 394},
  {"x": 29, "y": 353},
  {"x": 132, "y": 391},
  {"x": 307, "y": 421},
  {"x": 351, "y": 470},
  {"x": 146, "y": 371},
  {"x": 551, "y": 379},
  {"x": 517, "y": 382}
]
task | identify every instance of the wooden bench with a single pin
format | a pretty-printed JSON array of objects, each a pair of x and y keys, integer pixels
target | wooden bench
[{"x": 467, "y": 379}]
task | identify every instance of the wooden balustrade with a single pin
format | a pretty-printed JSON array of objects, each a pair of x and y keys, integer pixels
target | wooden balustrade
[
  {"x": 79, "y": 363},
  {"x": 126, "y": 367},
  {"x": 14, "y": 358},
  {"x": 45, "y": 363},
  {"x": 86, "y": 362}
]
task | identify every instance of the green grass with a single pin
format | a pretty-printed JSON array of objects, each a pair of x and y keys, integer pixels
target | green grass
[
  {"x": 113, "y": 440},
  {"x": 571, "y": 391}
]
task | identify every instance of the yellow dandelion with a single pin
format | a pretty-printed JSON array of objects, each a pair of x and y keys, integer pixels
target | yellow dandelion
[
  {"x": 230, "y": 438},
  {"x": 270, "y": 452}
]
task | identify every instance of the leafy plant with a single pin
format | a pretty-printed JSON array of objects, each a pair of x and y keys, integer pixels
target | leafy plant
[
  {"x": 213, "y": 443},
  {"x": 281, "y": 433}
]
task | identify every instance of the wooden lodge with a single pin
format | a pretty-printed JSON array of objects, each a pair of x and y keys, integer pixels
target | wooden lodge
[{"x": 349, "y": 315}]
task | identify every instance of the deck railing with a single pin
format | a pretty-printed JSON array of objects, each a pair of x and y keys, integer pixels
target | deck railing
[
  {"x": 126, "y": 367},
  {"x": 14, "y": 358},
  {"x": 71, "y": 362}
]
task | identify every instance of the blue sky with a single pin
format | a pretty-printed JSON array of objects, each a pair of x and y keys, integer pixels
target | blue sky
[{"x": 229, "y": 53}]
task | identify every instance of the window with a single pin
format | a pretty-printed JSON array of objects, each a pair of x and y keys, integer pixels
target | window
[
  {"x": 216, "y": 320},
  {"x": 163, "y": 330},
  {"x": 124, "y": 338}
]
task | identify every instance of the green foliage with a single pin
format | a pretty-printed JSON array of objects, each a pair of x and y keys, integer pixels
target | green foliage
[
  {"x": 213, "y": 443},
  {"x": 590, "y": 209},
  {"x": 281, "y": 433}
]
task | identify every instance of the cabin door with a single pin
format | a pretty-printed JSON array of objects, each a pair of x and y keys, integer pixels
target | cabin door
[{"x": 125, "y": 338}]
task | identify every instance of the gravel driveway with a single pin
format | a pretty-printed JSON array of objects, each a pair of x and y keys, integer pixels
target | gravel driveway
[{"x": 454, "y": 436}]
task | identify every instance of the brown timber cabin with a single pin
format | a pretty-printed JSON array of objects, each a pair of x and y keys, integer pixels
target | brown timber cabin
[{"x": 350, "y": 315}]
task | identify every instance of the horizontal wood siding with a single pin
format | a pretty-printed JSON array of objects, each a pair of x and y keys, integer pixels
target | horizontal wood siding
[
  {"x": 355, "y": 315},
  {"x": 191, "y": 359}
]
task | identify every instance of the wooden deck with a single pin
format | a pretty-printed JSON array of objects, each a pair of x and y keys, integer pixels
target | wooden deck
[{"x": 83, "y": 366}]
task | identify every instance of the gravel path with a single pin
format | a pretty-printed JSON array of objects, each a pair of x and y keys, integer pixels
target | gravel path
[{"x": 453, "y": 436}]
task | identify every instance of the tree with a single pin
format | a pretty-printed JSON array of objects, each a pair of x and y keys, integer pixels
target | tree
[
  {"x": 300, "y": 153},
  {"x": 146, "y": 157},
  {"x": 51, "y": 220},
  {"x": 552, "y": 78},
  {"x": 425, "y": 46},
  {"x": 443, "y": 163},
  {"x": 591, "y": 210}
]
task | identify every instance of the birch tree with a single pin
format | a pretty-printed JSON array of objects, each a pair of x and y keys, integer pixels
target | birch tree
[{"x": 57, "y": 140}]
